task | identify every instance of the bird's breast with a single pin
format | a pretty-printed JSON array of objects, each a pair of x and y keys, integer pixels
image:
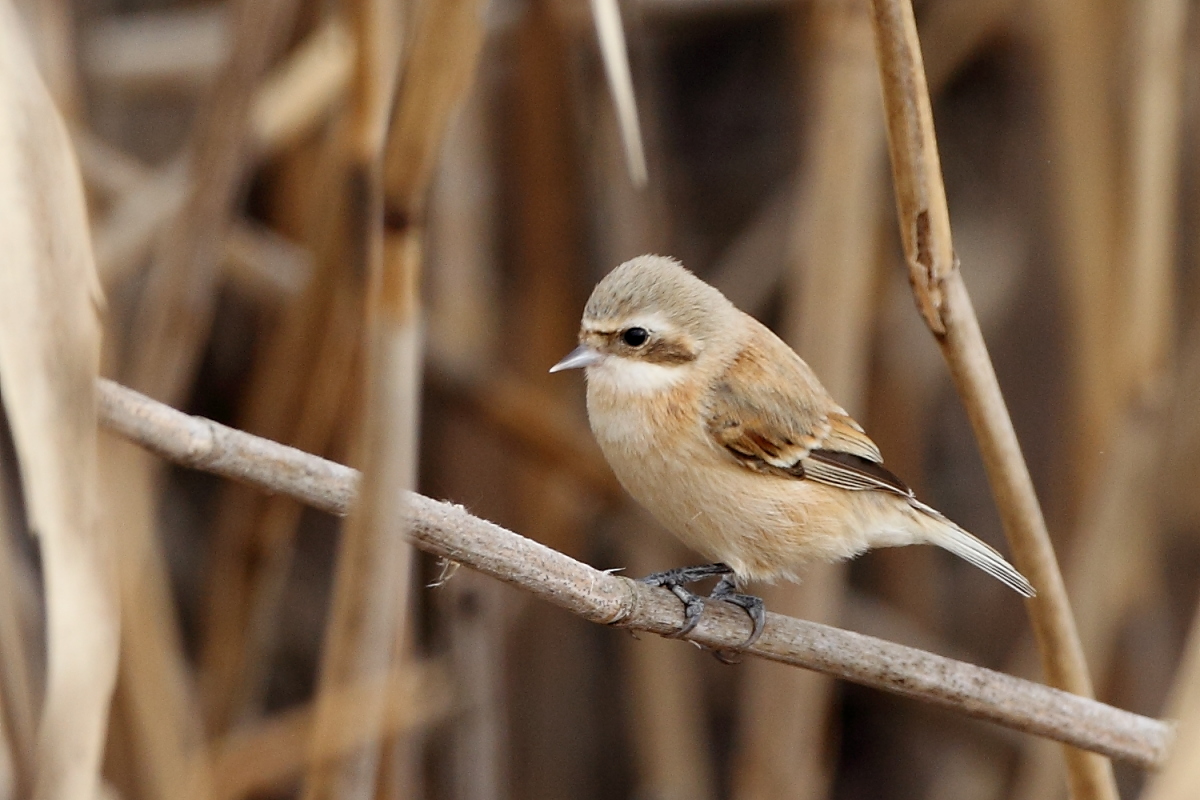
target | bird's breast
[
  {"x": 659, "y": 449},
  {"x": 633, "y": 419},
  {"x": 763, "y": 526}
]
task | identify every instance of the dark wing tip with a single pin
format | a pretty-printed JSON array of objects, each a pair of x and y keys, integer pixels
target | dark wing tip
[{"x": 862, "y": 466}]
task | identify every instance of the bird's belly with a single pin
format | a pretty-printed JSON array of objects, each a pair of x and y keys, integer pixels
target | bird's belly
[{"x": 764, "y": 527}]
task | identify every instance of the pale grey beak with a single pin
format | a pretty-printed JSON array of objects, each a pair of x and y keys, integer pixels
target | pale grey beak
[{"x": 582, "y": 356}]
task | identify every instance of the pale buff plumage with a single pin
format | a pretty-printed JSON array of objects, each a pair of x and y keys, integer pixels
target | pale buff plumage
[{"x": 728, "y": 438}]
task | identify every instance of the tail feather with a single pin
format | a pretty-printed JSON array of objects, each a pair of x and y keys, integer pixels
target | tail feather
[{"x": 948, "y": 536}]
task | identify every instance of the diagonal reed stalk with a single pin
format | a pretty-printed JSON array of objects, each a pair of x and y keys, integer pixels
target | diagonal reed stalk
[{"x": 946, "y": 307}]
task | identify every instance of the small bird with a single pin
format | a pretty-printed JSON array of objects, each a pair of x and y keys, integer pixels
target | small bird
[{"x": 727, "y": 437}]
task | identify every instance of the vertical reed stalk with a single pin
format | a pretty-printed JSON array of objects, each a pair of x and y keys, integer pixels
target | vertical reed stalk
[
  {"x": 50, "y": 334},
  {"x": 1074, "y": 43},
  {"x": 372, "y": 562},
  {"x": 19, "y": 719},
  {"x": 298, "y": 393},
  {"x": 1109, "y": 571},
  {"x": 946, "y": 307},
  {"x": 471, "y": 612},
  {"x": 370, "y": 588}
]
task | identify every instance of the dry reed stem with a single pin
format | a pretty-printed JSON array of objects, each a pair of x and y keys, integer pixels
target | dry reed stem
[
  {"x": 298, "y": 392},
  {"x": 833, "y": 244},
  {"x": 1074, "y": 51},
  {"x": 155, "y": 691},
  {"x": 49, "y": 359},
  {"x": 1147, "y": 285},
  {"x": 448, "y": 531},
  {"x": 607, "y": 17},
  {"x": 1180, "y": 777},
  {"x": 472, "y": 613},
  {"x": 170, "y": 326},
  {"x": 1109, "y": 571},
  {"x": 299, "y": 92},
  {"x": 17, "y": 694},
  {"x": 463, "y": 287},
  {"x": 371, "y": 575},
  {"x": 254, "y": 611},
  {"x": 310, "y": 366},
  {"x": 668, "y": 727},
  {"x": 52, "y": 28},
  {"x": 543, "y": 184},
  {"x": 446, "y": 42},
  {"x": 543, "y": 178},
  {"x": 547, "y": 224},
  {"x": 946, "y": 306},
  {"x": 469, "y": 616},
  {"x": 258, "y": 757},
  {"x": 784, "y": 720},
  {"x": 288, "y": 104},
  {"x": 438, "y": 72}
]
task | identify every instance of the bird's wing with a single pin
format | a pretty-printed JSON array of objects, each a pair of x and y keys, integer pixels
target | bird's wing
[{"x": 773, "y": 416}]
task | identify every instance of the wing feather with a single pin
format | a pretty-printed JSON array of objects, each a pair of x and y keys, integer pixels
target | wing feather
[
  {"x": 769, "y": 411},
  {"x": 852, "y": 472},
  {"x": 771, "y": 414}
]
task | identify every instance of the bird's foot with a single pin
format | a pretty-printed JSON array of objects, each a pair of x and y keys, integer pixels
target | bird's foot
[
  {"x": 674, "y": 580},
  {"x": 726, "y": 589}
]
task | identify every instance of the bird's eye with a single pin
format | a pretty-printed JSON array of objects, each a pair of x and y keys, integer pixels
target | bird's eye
[{"x": 635, "y": 337}]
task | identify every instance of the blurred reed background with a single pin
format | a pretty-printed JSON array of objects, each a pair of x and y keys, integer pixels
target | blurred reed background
[{"x": 368, "y": 228}]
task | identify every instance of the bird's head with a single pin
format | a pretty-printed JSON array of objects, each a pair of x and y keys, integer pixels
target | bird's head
[{"x": 647, "y": 324}]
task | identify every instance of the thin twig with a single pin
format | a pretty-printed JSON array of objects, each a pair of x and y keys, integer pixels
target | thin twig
[
  {"x": 944, "y": 303},
  {"x": 450, "y": 532}
]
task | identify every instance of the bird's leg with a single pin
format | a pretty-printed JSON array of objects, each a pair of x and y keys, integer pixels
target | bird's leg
[
  {"x": 727, "y": 590},
  {"x": 674, "y": 580}
]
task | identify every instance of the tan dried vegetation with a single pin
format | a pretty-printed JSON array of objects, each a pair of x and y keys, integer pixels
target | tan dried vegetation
[{"x": 360, "y": 232}]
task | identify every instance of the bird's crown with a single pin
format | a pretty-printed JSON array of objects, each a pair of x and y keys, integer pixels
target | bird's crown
[{"x": 656, "y": 285}]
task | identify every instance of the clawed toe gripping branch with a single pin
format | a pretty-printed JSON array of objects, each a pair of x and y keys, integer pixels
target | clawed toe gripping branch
[{"x": 675, "y": 581}]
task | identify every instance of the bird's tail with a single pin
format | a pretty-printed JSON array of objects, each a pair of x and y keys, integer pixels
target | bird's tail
[{"x": 945, "y": 534}]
